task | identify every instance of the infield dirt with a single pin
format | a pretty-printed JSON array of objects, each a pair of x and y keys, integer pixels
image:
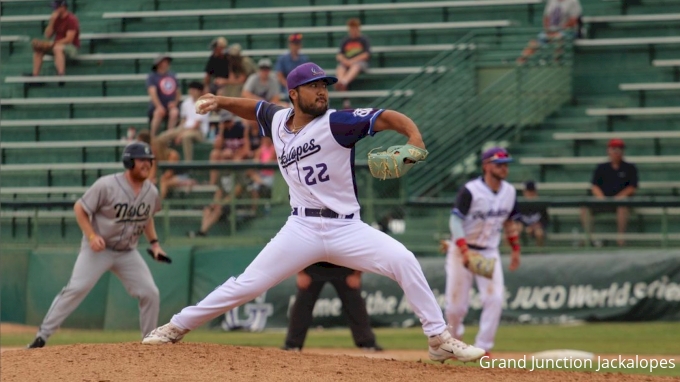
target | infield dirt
[{"x": 210, "y": 362}]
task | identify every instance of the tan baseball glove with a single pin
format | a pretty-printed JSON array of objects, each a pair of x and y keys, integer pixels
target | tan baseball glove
[
  {"x": 395, "y": 162},
  {"x": 479, "y": 264}
]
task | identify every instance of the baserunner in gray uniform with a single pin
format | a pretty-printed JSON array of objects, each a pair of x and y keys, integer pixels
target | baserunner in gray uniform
[{"x": 112, "y": 214}]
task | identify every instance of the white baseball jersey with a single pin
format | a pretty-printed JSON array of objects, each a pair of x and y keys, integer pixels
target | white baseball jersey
[
  {"x": 319, "y": 181},
  {"x": 118, "y": 216},
  {"x": 484, "y": 211}
]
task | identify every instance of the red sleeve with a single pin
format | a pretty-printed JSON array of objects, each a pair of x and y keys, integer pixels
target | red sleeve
[{"x": 72, "y": 24}]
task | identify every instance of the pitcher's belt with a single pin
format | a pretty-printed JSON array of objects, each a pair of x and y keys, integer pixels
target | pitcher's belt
[{"x": 323, "y": 212}]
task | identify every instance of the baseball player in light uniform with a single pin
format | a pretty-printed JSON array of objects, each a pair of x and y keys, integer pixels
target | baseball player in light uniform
[
  {"x": 315, "y": 151},
  {"x": 484, "y": 207},
  {"x": 112, "y": 214}
]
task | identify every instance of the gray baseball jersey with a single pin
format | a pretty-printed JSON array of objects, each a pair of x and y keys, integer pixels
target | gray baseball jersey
[{"x": 118, "y": 216}]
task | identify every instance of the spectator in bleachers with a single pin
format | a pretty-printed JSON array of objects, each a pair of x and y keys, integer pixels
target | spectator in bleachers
[
  {"x": 251, "y": 143},
  {"x": 355, "y": 52},
  {"x": 161, "y": 84},
  {"x": 259, "y": 181},
  {"x": 131, "y": 135},
  {"x": 193, "y": 127},
  {"x": 217, "y": 67},
  {"x": 263, "y": 84},
  {"x": 265, "y": 153},
  {"x": 560, "y": 21},
  {"x": 65, "y": 29},
  {"x": 240, "y": 68},
  {"x": 532, "y": 220},
  {"x": 228, "y": 142},
  {"x": 616, "y": 179},
  {"x": 291, "y": 60},
  {"x": 169, "y": 179}
]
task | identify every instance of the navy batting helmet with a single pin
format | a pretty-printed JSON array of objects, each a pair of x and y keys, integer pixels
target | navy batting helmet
[{"x": 136, "y": 150}]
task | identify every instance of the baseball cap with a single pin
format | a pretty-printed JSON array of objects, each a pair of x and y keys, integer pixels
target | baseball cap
[
  {"x": 530, "y": 185},
  {"x": 616, "y": 143},
  {"x": 264, "y": 63},
  {"x": 57, "y": 3},
  {"x": 496, "y": 155},
  {"x": 306, "y": 73},
  {"x": 160, "y": 59},
  {"x": 295, "y": 38}
]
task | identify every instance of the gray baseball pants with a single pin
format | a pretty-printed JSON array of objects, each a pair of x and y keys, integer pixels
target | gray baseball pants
[{"x": 128, "y": 266}]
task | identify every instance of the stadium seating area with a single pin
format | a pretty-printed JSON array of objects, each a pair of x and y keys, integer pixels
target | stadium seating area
[{"x": 57, "y": 139}]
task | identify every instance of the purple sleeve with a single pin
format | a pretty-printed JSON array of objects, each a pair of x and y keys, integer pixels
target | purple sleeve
[
  {"x": 349, "y": 126},
  {"x": 463, "y": 203},
  {"x": 265, "y": 114}
]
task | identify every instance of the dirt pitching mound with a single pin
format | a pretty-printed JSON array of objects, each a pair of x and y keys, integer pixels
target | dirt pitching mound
[{"x": 210, "y": 362}]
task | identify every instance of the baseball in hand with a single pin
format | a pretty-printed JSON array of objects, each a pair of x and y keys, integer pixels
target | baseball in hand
[{"x": 198, "y": 105}]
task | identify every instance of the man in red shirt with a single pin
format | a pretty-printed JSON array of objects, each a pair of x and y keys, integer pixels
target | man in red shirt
[{"x": 65, "y": 29}]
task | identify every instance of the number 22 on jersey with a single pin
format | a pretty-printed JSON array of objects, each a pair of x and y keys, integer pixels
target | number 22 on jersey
[{"x": 318, "y": 172}]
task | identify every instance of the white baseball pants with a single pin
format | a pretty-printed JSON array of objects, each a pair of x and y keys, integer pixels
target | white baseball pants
[
  {"x": 307, "y": 240},
  {"x": 458, "y": 284}
]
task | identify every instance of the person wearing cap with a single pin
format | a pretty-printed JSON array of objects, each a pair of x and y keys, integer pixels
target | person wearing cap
[
  {"x": 263, "y": 84},
  {"x": 315, "y": 148},
  {"x": 161, "y": 85},
  {"x": 217, "y": 67},
  {"x": 484, "y": 207},
  {"x": 291, "y": 60},
  {"x": 615, "y": 179},
  {"x": 240, "y": 68},
  {"x": 65, "y": 29},
  {"x": 192, "y": 127},
  {"x": 532, "y": 220},
  {"x": 355, "y": 51}
]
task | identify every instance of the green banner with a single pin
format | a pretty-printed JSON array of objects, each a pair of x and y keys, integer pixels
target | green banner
[{"x": 546, "y": 289}]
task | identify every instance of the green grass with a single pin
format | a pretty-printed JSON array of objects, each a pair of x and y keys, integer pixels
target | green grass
[{"x": 659, "y": 338}]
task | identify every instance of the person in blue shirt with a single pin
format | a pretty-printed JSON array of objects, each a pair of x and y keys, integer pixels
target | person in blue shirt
[{"x": 291, "y": 60}]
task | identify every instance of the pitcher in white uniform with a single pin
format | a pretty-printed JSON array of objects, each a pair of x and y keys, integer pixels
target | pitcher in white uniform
[
  {"x": 484, "y": 207},
  {"x": 315, "y": 151}
]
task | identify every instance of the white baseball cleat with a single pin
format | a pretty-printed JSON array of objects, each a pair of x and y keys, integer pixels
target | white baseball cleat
[
  {"x": 165, "y": 334},
  {"x": 443, "y": 347}
]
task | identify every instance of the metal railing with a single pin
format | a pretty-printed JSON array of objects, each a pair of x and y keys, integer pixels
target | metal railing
[
  {"x": 664, "y": 236},
  {"x": 457, "y": 118}
]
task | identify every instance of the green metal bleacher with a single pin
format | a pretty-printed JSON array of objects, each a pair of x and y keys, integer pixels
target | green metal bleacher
[{"x": 596, "y": 87}]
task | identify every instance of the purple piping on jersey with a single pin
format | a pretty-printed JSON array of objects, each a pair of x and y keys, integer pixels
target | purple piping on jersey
[
  {"x": 257, "y": 112},
  {"x": 370, "y": 128},
  {"x": 456, "y": 212},
  {"x": 354, "y": 178}
]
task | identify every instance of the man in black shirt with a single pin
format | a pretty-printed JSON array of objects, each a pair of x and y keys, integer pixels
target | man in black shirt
[
  {"x": 217, "y": 67},
  {"x": 532, "y": 220},
  {"x": 347, "y": 283},
  {"x": 616, "y": 179}
]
